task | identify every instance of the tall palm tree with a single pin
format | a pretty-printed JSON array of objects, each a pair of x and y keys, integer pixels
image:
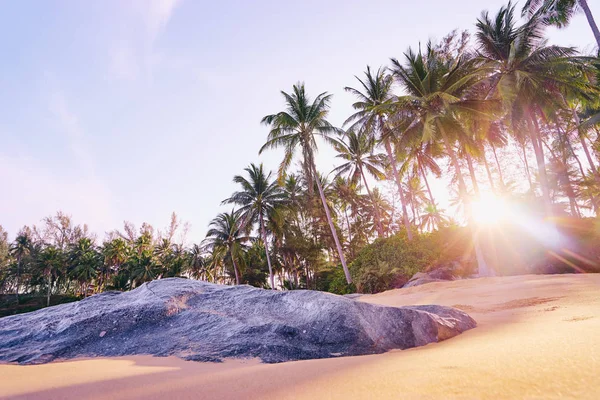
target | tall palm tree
[
  {"x": 298, "y": 128},
  {"x": 560, "y": 12},
  {"x": 359, "y": 156},
  {"x": 19, "y": 249},
  {"x": 420, "y": 159},
  {"x": 437, "y": 95},
  {"x": 226, "y": 238},
  {"x": 528, "y": 76},
  {"x": 373, "y": 110},
  {"x": 258, "y": 200}
]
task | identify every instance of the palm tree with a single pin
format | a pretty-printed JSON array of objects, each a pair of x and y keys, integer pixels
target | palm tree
[
  {"x": 258, "y": 200},
  {"x": 437, "y": 95},
  {"x": 19, "y": 249},
  {"x": 528, "y": 76},
  {"x": 560, "y": 12},
  {"x": 374, "y": 107},
  {"x": 198, "y": 264},
  {"x": 298, "y": 127},
  {"x": 358, "y": 154},
  {"x": 432, "y": 218},
  {"x": 420, "y": 159},
  {"x": 116, "y": 253},
  {"x": 49, "y": 262},
  {"x": 226, "y": 238},
  {"x": 84, "y": 262}
]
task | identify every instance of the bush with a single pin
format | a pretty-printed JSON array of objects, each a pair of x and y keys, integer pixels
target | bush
[
  {"x": 390, "y": 262},
  {"x": 334, "y": 281}
]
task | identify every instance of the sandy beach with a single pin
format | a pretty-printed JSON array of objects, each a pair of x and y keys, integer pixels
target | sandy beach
[{"x": 537, "y": 337}]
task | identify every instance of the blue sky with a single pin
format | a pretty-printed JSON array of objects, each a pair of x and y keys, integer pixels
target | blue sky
[{"x": 128, "y": 110}]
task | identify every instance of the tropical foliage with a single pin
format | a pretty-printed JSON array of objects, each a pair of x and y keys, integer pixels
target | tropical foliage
[{"x": 505, "y": 114}]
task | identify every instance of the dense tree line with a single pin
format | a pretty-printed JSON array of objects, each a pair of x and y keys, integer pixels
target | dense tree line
[{"x": 487, "y": 114}]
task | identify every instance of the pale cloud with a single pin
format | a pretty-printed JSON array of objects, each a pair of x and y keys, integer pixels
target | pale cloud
[
  {"x": 123, "y": 63},
  {"x": 68, "y": 123},
  {"x": 133, "y": 53},
  {"x": 156, "y": 14}
]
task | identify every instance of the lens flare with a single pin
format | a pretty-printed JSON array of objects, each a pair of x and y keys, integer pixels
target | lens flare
[{"x": 489, "y": 209}]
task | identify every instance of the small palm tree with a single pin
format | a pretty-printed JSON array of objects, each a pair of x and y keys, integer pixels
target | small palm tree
[
  {"x": 225, "y": 238},
  {"x": 432, "y": 218},
  {"x": 19, "y": 249},
  {"x": 49, "y": 261},
  {"x": 84, "y": 262},
  {"x": 116, "y": 253},
  {"x": 357, "y": 151},
  {"x": 373, "y": 110},
  {"x": 258, "y": 200},
  {"x": 298, "y": 128}
]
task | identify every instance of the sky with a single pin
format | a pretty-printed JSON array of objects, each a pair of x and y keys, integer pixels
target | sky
[{"x": 133, "y": 109}]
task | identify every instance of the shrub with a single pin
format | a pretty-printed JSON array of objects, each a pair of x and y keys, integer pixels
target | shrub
[{"x": 389, "y": 262}]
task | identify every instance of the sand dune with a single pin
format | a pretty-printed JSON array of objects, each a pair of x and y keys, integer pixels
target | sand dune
[{"x": 538, "y": 337}]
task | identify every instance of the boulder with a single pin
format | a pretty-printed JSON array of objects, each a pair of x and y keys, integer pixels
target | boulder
[
  {"x": 201, "y": 321},
  {"x": 440, "y": 273}
]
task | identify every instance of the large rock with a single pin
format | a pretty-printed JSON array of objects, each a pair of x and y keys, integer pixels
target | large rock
[{"x": 201, "y": 321}]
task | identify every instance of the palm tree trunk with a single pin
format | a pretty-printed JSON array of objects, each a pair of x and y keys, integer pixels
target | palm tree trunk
[
  {"x": 489, "y": 173},
  {"x": 235, "y": 268},
  {"x": 498, "y": 165},
  {"x": 264, "y": 237},
  {"x": 584, "y": 145},
  {"x": 534, "y": 134},
  {"x": 526, "y": 163},
  {"x": 375, "y": 206},
  {"x": 18, "y": 277},
  {"x": 392, "y": 160},
  {"x": 472, "y": 173},
  {"x": 567, "y": 182},
  {"x": 462, "y": 188},
  {"x": 588, "y": 14},
  {"x": 348, "y": 224},
  {"x": 568, "y": 141},
  {"x": 49, "y": 290},
  {"x": 332, "y": 227},
  {"x": 431, "y": 199},
  {"x": 413, "y": 210}
]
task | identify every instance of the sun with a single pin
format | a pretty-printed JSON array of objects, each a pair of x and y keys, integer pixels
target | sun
[{"x": 489, "y": 210}]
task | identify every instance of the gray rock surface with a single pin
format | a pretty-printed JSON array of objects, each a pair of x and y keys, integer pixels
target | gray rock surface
[{"x": 206, "y": 322}]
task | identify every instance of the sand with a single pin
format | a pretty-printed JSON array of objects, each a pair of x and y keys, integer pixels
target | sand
[{"x": 538, "y": 337}]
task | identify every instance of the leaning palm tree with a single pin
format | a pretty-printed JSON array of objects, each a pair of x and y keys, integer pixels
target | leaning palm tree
[
  {"x": 258, "y": 200},
  {"x": 226, "y": 238},
  {"x": 19, "y": 249},
  {"x": 560, "y": 12},
  {"x": 357, "y": 151},
  {"x": 298, "y": 128},
  {"x": 373, "y": 110}
]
